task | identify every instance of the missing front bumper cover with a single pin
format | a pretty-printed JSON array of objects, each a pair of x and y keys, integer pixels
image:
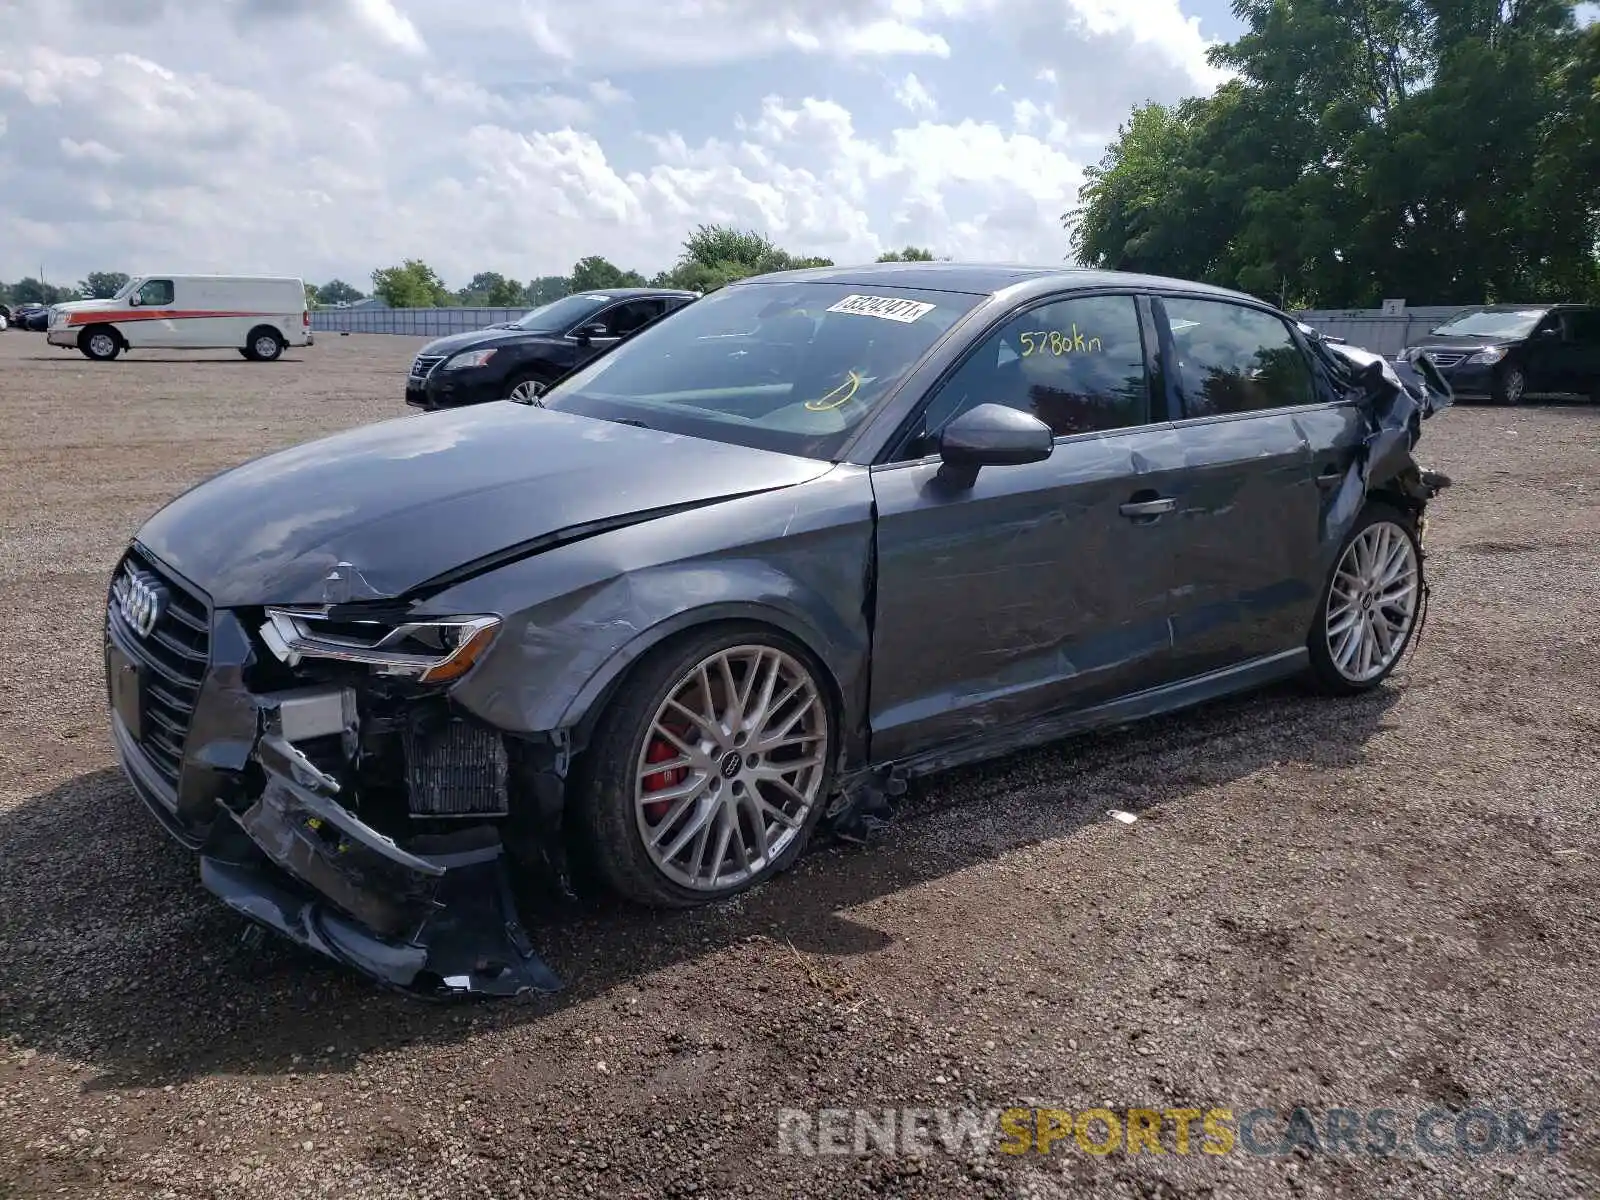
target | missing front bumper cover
[{"x": 434, "y": 918}]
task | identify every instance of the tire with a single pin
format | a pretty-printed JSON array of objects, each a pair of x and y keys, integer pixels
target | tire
[
  {"x": 1510, "y": 385},
  {"x": 525, "y": 388},
  {"x": 100, "y": 343},
  {"x": 720, "y": 785},
  {"x": 1353, "y": 617},
  {"x": 265, "y": 344}
]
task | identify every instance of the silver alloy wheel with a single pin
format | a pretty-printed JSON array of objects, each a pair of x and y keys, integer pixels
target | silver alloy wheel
[
  {"x": 1373, "y": 601},
  {"x": 526, "y": 391},
  {"x": 266, "y": 346},
  {"x": 102, "y": 345},
  {"x": 1515, "y": 386},
  {"x": 731, "y": 767}
]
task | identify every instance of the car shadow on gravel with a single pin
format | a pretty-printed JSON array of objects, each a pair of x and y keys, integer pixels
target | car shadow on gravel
[{"x": 114, "y": 956}]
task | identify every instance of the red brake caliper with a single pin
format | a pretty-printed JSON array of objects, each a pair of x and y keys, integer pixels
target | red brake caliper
[{"x": 662, "y": 750}]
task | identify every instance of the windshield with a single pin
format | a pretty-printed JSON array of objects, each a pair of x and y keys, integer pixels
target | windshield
[
  {"x": 561, "y": 315},
  {"x": 793, "y": 367},
  {"x": 1492, "y": 324}
]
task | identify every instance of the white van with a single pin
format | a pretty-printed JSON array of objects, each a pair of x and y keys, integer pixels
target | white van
[{"x": 259, "y": 316}]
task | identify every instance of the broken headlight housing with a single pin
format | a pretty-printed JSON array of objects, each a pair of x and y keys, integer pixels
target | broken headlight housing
[{"x": 435, "y": 650}]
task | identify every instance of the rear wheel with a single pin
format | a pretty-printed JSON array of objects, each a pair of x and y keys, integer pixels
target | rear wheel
[
  {"x": 265, "y": 345},
  {"x": 100, "y": 343},
  {"x": 711, "y": 768},
  {"x": 1370, "y": 602}
]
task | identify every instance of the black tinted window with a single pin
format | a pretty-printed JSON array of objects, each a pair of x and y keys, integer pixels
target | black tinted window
[
  {"x": 1233, "y": 359},
  {"x": 156, "y": 291},
  {"x": 1585, "y": 327},
  {"x": 1077, "y": 365},
  {"x": 625, "y": 318}
]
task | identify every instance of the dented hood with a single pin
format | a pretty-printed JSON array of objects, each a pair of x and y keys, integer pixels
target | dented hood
[{"x": 406, "y": 500}]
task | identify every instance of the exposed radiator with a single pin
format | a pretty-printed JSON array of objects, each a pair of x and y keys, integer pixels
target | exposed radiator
[{"x": 455, "y": 768}]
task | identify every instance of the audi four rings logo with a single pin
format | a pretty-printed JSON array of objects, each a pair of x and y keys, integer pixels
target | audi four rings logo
[{"x": 140, "y": 601}]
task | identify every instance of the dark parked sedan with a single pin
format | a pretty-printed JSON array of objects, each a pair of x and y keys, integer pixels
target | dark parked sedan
[
  {"x": 816, "y": 533},
  {"x": 519, "y": 360}
]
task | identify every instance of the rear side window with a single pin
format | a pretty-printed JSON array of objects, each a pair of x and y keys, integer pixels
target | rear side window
[
  {"x": 1233, "y": 359},
  {"x": 156, "y": 291},
  {"x": 1585, "y": 326},
  {"x": 1076, "y": 364}
]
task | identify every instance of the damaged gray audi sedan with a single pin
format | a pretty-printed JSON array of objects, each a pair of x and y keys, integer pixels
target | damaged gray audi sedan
[{"x": 811, "y": 535}]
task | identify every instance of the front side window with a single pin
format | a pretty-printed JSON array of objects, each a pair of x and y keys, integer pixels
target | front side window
[
  {"x": 790, "y": 366},
  {"x": 625, "y": 318},
  {"x": 1585, "y": 326},
  {"x": 1233, "y": 359},
  {"x": 156, "y": 291},
  {"x": 1076, "y": 364}
]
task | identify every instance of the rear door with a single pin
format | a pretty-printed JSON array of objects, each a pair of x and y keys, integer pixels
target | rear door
[
  {"x": 1575, "y": 360},
  {"x": 1033, "y": 591},
  {"x": 1265, "y": 447}
]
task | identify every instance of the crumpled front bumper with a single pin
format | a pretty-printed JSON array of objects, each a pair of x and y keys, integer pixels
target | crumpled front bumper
[{"x": 435, "y": 918}]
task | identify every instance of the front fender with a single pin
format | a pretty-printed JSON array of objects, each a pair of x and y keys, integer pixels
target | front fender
[{"x": 801, "y": 563}]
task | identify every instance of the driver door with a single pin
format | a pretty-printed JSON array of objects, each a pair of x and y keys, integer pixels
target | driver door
[
  {"x": 1037, "y": 589},
  {"x": 153, "y": 324}
]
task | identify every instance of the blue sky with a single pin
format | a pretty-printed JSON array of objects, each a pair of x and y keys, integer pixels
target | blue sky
[{"x": 329, "y": 137}]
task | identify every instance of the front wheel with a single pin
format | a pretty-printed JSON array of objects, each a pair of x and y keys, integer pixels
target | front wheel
[
  {"x": 526, "y": 390},
  {"x": 711, "y": 769},
  {"x": 1510, "y": 385},
  {"x": 1370, "y": 603},
  {"x": 101, "y": 345}
]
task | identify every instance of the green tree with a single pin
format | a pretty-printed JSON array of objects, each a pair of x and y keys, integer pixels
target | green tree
[
  {"x": 714, "y": 255},
  {"x": 337, "y": 291},
  {"x": 311, "y": 295},
  {"x": 29, "y": 290},
  {"x": 1439, "y": 149},
  {"x": 596, "y": 274},
  {"x": 545, "y": 289},
  {"x": 413, "y": 284},
  {"x": 908, "y": 254},
  {"x": 102, "y": 285}
]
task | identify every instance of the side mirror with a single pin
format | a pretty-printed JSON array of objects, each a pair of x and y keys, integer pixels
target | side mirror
[
  {"x": 991, "y": 435},
  {"x": 592, "y": 330},
  {"x": 134, "y": 300},
  {"x": 1549, "y": 333}
]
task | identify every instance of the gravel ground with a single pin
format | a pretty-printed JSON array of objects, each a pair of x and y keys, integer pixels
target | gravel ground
[{"x": 1391, "y": 902}]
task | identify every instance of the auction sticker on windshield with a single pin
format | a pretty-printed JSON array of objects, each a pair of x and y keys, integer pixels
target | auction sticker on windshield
[{"x": 887, "y": 307}]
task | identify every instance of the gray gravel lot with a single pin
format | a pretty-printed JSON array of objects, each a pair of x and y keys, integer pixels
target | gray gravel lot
[{"x": 1391, "y": 902}]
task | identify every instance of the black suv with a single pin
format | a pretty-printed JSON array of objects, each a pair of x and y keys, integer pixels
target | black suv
[
  {"x": 1510, "y": 351},
  {"x": 520, "y": 360}
]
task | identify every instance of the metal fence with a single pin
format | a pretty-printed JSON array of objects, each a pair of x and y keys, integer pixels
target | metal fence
[
  {"x": 410, "y": 322},
  {"x": 1371, "y": 330},
  {"x": 1367, "y": 328}
]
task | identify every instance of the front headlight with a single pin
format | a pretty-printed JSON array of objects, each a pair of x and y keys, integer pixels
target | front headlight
[
  {"x": 1488, "y": 357},
  {"x": 471, "y": 358},
  {"x": 429, "y": 651}
]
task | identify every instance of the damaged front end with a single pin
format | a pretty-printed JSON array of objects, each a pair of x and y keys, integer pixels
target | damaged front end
[{"x": 334, "y": 794}]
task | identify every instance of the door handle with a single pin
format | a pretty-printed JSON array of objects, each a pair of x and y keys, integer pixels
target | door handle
[
  {"x": 1331, "y": 477},
  {"x": 1148, "y": 508}
]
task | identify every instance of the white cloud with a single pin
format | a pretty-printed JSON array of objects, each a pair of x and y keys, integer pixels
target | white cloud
[
  {"x": 911, "y": 93},
  {"x": 327, "y": 137}
]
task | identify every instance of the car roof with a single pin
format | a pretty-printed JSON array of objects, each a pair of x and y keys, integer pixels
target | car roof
[
  {"x": 985, "y": 279},
  {"x": 630, "y": 292}
]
